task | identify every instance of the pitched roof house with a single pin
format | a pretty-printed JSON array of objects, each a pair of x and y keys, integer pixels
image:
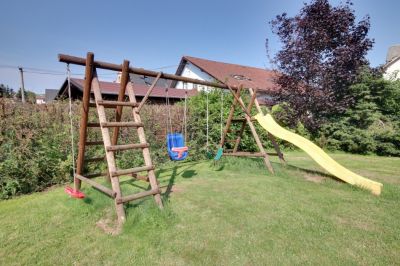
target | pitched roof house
[
  {"x": 392, "y": 66},
  {"x": 110, "y": 90},
  {"x": 231, "y": 74}
]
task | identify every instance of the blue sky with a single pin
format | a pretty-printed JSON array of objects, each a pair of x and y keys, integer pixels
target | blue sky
[{"x": 153, "y": 34}]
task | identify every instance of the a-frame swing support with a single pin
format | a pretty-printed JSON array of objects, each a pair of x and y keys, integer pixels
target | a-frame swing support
[
  {"x": 110, "y": 142},
  {"x": 247, "y": 120}
]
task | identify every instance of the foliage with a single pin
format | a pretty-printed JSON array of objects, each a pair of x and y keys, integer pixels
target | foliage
[
  {"x": 30, "y": 96},
  {"x": 35, "y": 144},
  {"x": 372, "y": 124},
  {"x": 6, "y": 91},
  {"x": 323, "y": 49}
]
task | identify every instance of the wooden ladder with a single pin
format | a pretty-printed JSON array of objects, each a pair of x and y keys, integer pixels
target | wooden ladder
[
  {"x": 111, "y": 146},
  {"x": 247, "y": 120}
]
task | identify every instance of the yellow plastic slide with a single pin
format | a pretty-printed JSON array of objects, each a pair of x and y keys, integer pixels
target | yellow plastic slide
[{"x": 318, "y": 155}]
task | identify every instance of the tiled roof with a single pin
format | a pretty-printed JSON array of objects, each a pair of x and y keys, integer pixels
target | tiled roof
[
  {"x": 232, "y": 74},
  {"x": 112, "y": 88}
]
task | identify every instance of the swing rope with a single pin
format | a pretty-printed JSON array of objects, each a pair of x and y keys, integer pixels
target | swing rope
[
  {"x": 70, "y": 191},
  {"x": 71, "y": 119},
  {"x": 207, "y": 120}
]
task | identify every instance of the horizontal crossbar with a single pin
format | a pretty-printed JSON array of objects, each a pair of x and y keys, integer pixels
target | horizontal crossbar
[
  {"x": 127, "y": 147},
  {"x": 97, "y": 186},
  {"x": 138, "y": 195},
  {"x": 121, "y": 124},
  {"x": 132, "y": 170},
  {"x": 117, "y": 103}
]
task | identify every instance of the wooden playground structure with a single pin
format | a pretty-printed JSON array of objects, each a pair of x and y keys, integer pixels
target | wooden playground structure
[{"x": 110, "y": 141}]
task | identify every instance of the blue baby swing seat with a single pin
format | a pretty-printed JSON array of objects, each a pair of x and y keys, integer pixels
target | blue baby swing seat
[{"x": 177, "y": 149}]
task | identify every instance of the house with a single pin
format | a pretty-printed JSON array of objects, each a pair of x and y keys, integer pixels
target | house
[
  {"x": 391, "y": 68},
  {"x": 40, "y": 99},
  {"x": 230, "y": 74},
  {"x": 110, "y": 90},
  {"x": 50, "y": 95}
]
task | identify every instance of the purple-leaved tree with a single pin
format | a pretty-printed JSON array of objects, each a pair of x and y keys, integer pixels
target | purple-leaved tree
[{"x": 323, "y": 48}]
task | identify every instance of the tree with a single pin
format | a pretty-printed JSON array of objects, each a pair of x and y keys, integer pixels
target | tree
[
  {"x": 29, "y": 95},
  {"x": 6, "y": 92},
  {"x": 322, "y": 51}
]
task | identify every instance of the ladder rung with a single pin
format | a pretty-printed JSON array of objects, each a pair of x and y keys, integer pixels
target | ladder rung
[
  {"x": 95, "y": 159},
  {"x": 116, "y": 103},
  {"x": 98, "y": 186},
  {"x": 121, "y": 124},
  {"x": 132, "y": 170},
  {"x": 127, "y": 147},
  {"x": 92, "y": 143},
  {"x": 230, "y": 140},
  {"x": 93, "y": 175},
  {"x": 138, "y": 195},
  {"x": 105, "y": 106}
]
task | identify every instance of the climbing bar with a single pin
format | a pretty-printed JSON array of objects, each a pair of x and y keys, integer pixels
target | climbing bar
[
  {"x": 132, "y": 170},
  {"x": 121, "y": 124},
  {"x": 97, "y": 186},
  {"x": 127, "y": 147},
  {"x": 140, "y": 71},
  {"x": 138, "y": 195},
  {"x": 116, "y": 103}
]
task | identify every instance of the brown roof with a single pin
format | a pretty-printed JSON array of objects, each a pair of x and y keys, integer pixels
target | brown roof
[
  {"x": 112, "y": 88},
  {"x": 232, "y": 74}
]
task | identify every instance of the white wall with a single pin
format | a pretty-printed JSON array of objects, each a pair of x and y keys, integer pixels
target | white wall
[
  {"x": 393, "y": 71},
  {"x": 192, "y": 71}
]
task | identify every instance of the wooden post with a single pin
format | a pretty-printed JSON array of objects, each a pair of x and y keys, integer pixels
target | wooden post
[
  {"x": 258, "y": 141},
  {"x": 270, "y": 136},
  {"x": 84, "y": 118},
  {"x": 239, "y": 138},
  {"x": 121, "y": 96},
  {"x": 229, "y": 120},
  {"x": 146, "y": 150},
  {"x": 112, "y": 168}
]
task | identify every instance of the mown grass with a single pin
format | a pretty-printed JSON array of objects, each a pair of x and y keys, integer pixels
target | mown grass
[{"x": 234, "y": 213}]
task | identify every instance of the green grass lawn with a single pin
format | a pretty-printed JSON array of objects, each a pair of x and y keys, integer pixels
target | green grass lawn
[{"x": 233, "y": 214}]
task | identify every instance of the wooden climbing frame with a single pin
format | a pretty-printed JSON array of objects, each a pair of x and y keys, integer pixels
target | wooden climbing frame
[{"x": 110, "y": 142}]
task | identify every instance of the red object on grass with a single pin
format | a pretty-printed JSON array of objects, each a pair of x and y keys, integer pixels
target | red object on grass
[
  {"x": 74, "y": 193},
  {"x": 179, "y": 150}
]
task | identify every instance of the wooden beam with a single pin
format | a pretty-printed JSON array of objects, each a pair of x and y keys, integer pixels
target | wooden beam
[
  {"x": 149, "y": 92},
  {"x": 140, "y": 71},
  {"x": 132, "y": 170},
  {"x": 109, "y": 154},
  {"x": 97, "y": 186},
  {"x": 121, "y": 124},
  {"x": 270, "y": 136},
  {"x": 229, "y": 120},
  {"x": 89, "y": 62},
  {"x": 127, "y": 147},
  {"x": 139, "y": 195},
  {"x": 145, "y": 151},
  {"x": 121, "y": 96},
  {"x": 239, "y": 138}
]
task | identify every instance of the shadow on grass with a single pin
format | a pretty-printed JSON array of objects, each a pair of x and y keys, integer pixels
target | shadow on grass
[{"x": 315, "y": 172}]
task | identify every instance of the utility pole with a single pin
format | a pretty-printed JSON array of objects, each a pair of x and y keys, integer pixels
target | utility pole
[{"x": 22, "y": 84}]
